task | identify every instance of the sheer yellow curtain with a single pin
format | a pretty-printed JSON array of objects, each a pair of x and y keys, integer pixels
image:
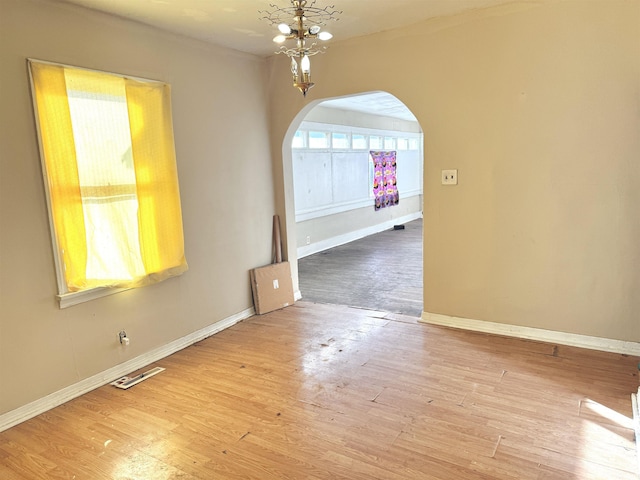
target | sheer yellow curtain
[
  {"x": 109, "y": 156},
  {"x": 159, "y": 216},
  {"x": 56, "y": 138}
]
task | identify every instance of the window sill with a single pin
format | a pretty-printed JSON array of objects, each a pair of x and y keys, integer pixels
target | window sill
[{"x": 74, "y": 298}]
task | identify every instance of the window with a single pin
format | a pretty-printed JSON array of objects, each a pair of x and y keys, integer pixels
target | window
[
  {"x": 358, "y": 142},
  {"x": 111, "y": 179},
  {"x": 339, "y": 140},
  {"x": 375, "y": 142},
  {"x": 298, "y": 140},
  {"x": 318, "y": 140},
  {"x": 403, "y": 144},
  {"x": 389, "y": 143}
]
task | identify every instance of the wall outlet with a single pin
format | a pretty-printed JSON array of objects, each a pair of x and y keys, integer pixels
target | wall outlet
[
  {"x": 449, "y": 177},
  {"x": 122, "y": 336},
  {"x": 308, "y": 239}
]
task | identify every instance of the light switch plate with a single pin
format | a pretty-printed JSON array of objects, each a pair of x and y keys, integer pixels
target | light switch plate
[{"x": 449, "y": 177}]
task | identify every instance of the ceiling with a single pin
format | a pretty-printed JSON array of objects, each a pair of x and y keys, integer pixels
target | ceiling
[
  {"x": 376, "y": 103},
  {"x": 238, "y": 24}
]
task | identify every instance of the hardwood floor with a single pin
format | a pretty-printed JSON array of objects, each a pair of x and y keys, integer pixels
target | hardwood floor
[
  {"x": 382, "y": 271},
  {"x": 329, "y": 392}
]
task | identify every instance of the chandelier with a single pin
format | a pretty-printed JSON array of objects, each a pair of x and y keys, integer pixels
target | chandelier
[{"x": 293, "y": 23}]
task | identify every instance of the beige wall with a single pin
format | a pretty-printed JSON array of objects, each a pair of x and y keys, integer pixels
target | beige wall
[
  {"x": 536, "y": 104},
  {"x": 222, "y": 145}
]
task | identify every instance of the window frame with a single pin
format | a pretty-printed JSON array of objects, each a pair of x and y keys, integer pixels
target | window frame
[{"x": 66, "y": 297}]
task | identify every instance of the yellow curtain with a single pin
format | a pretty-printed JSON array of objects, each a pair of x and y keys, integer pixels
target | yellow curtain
[
  {"x": 159, "y": 215},
  {"x": 56, "y": 136},
  {"x": 160, "y": 236}
]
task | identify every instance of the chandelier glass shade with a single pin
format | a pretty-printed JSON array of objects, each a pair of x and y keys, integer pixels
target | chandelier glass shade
[{"x": 301, "y": 23}]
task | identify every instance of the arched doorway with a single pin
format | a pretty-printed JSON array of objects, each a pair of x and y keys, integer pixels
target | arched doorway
[{"x": 326, "y": 151}]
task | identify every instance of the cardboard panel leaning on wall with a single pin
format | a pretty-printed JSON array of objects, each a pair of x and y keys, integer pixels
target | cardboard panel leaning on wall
[{"x": 218, "y": 98}]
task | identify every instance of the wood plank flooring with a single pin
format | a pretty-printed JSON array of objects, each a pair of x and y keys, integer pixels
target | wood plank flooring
[
  {"x": 319, "y": 391},
  {"x": 382, "y": 272}
]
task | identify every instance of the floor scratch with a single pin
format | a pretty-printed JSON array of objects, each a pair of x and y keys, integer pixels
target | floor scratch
[
  {"x": 377, "y": 395},
  {"x": 493, "y": 455},
  {"x": 313, "y": 404}
]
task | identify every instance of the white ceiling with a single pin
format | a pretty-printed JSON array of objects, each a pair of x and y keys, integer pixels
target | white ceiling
[
  {"x": 377, "y": 103},
  {"x": 238, "y": 24}
]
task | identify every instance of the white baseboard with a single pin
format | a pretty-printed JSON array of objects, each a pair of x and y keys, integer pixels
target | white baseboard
[
  {"x": 529, "y": 333},
  {"x": 55, "y": 399},
  {"x": 307, "y": 250}
]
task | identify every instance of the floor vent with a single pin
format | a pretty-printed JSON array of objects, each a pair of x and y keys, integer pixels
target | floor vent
[{"x": 128, "y": 382}]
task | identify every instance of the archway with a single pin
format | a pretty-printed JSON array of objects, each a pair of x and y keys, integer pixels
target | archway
[{"x": 328, "y": 196}]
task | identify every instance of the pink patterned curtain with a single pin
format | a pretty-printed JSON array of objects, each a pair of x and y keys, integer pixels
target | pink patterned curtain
[{"x": 385, "y": 189}]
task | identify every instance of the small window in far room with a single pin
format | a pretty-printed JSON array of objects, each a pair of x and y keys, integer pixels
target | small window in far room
[
  {"x": 339, "y": 140},
  {"x": 359, "y": 142},
  {"x": 375, "y": 142},
  {"x": 318, "y": 140},
  {"x": 414, "y": 144},
  {"x": 298, "y": 140},
  {"x": 403, "y": 144},
  {"x": 389, "y": 143},
  {"x": 111, "y": 181}
]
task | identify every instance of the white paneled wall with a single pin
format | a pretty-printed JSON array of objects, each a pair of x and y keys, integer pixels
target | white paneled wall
[
  {"x": 331, "y": 180},
  {"x": 333, "y": 183}
]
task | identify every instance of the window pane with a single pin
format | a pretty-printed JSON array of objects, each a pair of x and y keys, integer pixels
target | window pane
[
  {"x": 113, "y": 247},
  {"x": 339, "y": 140},
  {"x": 359, "y": 142},
  {"x": 389, "y": 143},
  {"x": 108, "y": 183},
  {"x": 403, "y": 144},
  {"x": 375, "y": 142},
  {"x": 318, "y": 140},
  {"x": 298, "y": 140},
  {"x": 101, "y": 133},
  {"x": 413, "y": 144}
]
